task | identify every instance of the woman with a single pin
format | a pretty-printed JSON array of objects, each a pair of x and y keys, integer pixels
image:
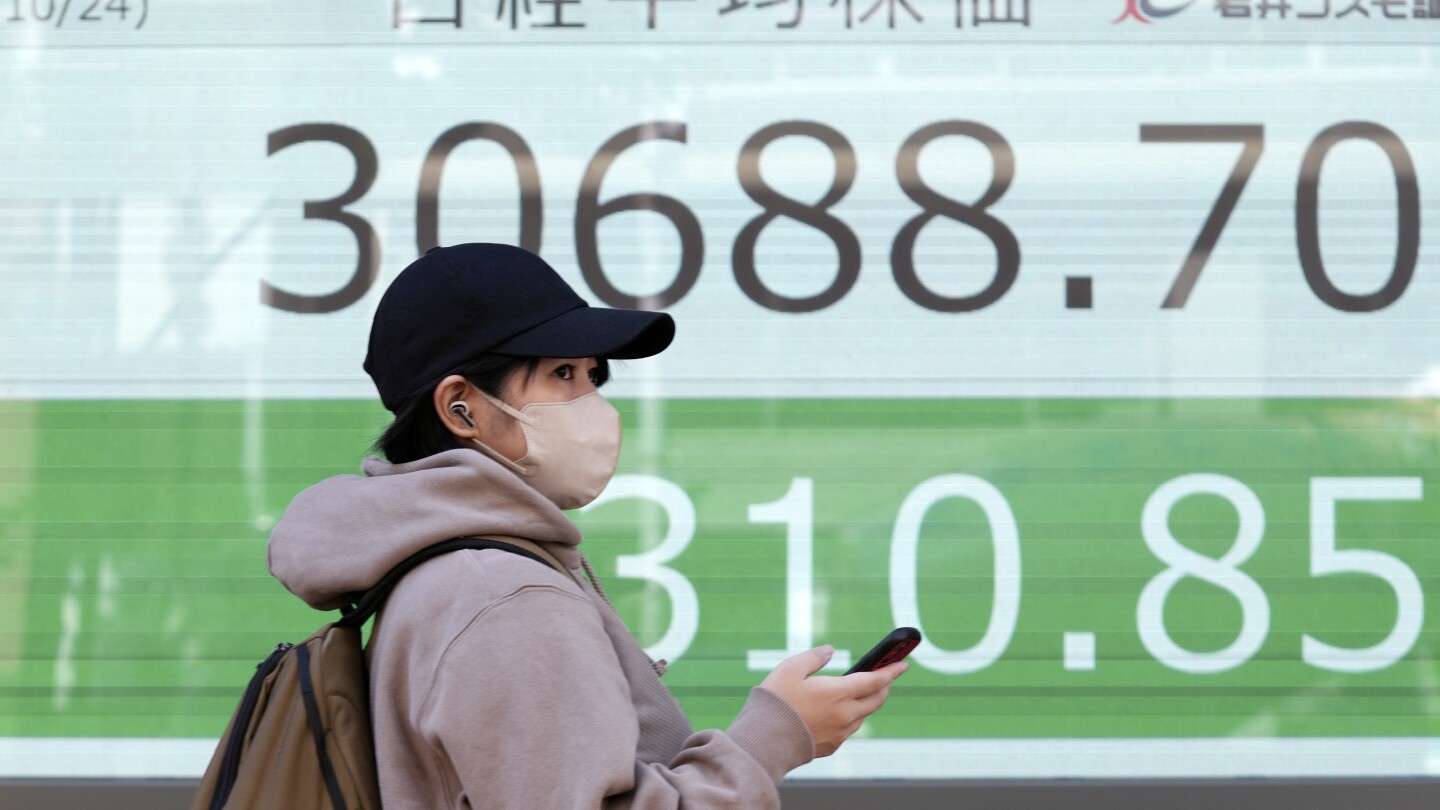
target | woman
[{"x": 497, "y": 682}]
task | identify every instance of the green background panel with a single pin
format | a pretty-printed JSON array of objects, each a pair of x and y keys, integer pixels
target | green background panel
[{"x": 135, "y": 598}]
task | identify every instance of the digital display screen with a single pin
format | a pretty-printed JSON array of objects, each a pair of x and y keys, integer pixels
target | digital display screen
[{"x": 1095, "y": 338}]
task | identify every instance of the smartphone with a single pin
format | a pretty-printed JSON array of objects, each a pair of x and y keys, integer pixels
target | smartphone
[{"x": 894, "y": 647}]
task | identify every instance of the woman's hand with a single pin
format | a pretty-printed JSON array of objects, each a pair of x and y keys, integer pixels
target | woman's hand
[{"x": 833, "y": 707}]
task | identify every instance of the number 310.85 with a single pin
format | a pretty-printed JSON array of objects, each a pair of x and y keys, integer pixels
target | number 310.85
[{"x": 795, "y": 510}]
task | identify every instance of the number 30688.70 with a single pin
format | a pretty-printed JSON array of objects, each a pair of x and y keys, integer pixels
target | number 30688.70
[{"x": 589, "y": 211}]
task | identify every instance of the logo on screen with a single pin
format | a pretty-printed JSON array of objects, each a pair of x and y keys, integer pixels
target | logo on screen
[
  {"x": 1145, "y": 11},
  {"x": 1148, "y": 11}
]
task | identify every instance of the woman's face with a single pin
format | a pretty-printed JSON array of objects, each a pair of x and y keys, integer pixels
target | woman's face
[{"x": 556, "y": 379}]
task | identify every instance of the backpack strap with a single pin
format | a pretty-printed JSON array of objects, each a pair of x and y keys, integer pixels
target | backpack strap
[
  {"x": 370, "y": 601},
  {"x": 538, "y": 550}
]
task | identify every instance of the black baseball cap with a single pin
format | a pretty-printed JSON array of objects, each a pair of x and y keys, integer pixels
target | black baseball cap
[{"x": 459, "y": 302}]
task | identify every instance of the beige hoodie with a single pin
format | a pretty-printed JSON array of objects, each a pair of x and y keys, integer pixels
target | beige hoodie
[{"x": 497, "y": 682}]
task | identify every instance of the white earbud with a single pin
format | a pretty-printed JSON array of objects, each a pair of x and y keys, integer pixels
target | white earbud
[{"x": 462, "y": 410}]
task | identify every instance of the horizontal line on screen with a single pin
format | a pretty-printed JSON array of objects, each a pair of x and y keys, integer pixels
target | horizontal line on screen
[
  {"x": 1129, "y": 758},
  {"x": 769, "y": 42}
]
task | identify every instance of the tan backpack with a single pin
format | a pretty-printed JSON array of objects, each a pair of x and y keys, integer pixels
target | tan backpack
[{"x": 301, "y": 736}]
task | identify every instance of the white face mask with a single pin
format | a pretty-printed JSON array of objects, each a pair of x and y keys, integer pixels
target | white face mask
[{"x": 572, "y": 447}]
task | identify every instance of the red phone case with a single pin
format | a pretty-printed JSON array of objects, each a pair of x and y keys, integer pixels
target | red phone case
[{"x": 892, "y": 648}]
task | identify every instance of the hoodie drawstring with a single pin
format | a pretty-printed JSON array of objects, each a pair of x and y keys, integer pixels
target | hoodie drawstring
[{"x": 661, "y": 666}]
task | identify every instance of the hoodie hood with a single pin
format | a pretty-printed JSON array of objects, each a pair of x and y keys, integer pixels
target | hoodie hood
[{"x": 343, "y": 534}]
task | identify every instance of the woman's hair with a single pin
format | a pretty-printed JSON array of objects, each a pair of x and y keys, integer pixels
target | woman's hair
[{"x": 417, "y": 431}]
